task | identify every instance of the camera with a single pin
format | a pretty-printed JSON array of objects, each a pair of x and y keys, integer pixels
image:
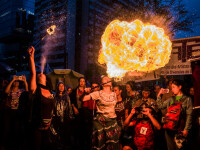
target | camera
[
  {"x": 166, "y": 90},
  {"x": 139, "y": 109},
  {"x": 19, "y": 77}
]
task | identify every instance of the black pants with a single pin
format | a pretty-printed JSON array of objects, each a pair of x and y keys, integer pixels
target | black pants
[
  {"x": 41, "y": 139},
  {"x": 78, "y": 127},
  {"x": 171, "y": 145},
  {"x": 11, "y": 134}
]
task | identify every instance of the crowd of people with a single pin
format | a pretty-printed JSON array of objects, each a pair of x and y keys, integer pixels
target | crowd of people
[{"x": 104, "y": 116}]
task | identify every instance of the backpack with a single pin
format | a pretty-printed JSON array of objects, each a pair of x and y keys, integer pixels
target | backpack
[{"x": 173, "y": 117}]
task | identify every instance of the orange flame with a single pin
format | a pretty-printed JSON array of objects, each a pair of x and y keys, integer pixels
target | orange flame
[
  {"x": 133, "y": 46},
  {"x": 51, "y": 29}
]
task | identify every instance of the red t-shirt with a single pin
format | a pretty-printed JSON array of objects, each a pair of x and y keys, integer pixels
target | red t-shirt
[
  {"x": 144, "y": 134},
  {"x": 91, "y": 104}
]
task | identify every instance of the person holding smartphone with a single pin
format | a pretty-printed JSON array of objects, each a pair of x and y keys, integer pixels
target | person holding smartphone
[
  {"x": 167, "y": 93},
  {"x": 144, "y": 128},
  {"x": 13, "y": 91},
  {"x": 11, "y": 116},
  {"x": 178, "y": 118}
]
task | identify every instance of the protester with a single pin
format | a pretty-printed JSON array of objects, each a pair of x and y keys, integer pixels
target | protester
[
  {"x": 167, "y": 93},
  {"x": 11, "y": 116},
  {"x": 63, "y": 115},
  {"x": 143, "y": 138},
  {"x": 91, "y": 104},
  {"x": 120, "y": 111},
  {"x": 69, "y": 90},
  {"x": 2, "y": 106},
  {"x": 90, "y": 110},
  {"x": 146, "y": 99},
  {"x": 178, "y": 119},
  {"x": 105, "y": 127},
  {"x": 191, "y": 94},
  {"x": 42, "y": 106},
  {"x": 131, "y": 96},
  {"x": 120, "y": 106},
  {"x": 13, "y": 91},
  {"x": 156, "y": 91},
  {"x": 79, "y": 123}
]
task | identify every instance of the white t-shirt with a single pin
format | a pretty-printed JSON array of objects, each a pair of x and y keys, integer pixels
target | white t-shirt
[{"x": 105, "y": 103}]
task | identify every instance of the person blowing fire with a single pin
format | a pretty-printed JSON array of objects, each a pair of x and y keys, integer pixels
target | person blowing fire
[
  {"x": 105, "y": 128},
  {"x": 42, "y": 105}
]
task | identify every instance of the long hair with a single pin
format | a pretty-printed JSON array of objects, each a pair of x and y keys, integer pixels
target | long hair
[
  {"x": 132, "y": 85},
  {"x": 57, "y": 88},
  {"x": 79, "y": 79},
  {"x": 178, "y": 82}
]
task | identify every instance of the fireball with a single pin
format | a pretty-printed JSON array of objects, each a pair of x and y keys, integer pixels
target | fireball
[
  {"x": 133, "y": 46},
  {"x": 51, "y": 29}
]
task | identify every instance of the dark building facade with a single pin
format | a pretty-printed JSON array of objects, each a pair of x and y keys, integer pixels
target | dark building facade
[
  {"x": 16, "y": 29},
  {"x": 80, "y": 25},
  {"x": 96, "y": 15},
  {"x": 59, "y": 48}
]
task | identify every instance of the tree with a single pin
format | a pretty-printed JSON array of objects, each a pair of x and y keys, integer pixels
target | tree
[{"x": 168, "y": 14}]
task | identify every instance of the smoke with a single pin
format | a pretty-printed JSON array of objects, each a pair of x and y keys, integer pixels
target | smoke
[
  {"x": 43, "y": 63},
  {"x": 51, "y": 43}
]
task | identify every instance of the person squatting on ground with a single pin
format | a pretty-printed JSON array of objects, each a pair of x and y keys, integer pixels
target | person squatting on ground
[
  {"x": 143, "y": 138},
  {"x": 12, "y": 116},
  {"x": 105, "y": 128},
  {"x": 178, "y": 119},
  {"x": 43, "y": 103}
]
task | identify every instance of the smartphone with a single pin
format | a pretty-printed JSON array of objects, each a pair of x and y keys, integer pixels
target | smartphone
[
  {"x": 166, "y": 91},
  {"x": 139, "y": 109},
  {"x": 19, "y": 77}
]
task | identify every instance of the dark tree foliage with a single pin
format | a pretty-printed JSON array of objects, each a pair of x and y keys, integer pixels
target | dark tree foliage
[
  {"x": 171, "y": 15},
  {"x": 168, "y": 14}
]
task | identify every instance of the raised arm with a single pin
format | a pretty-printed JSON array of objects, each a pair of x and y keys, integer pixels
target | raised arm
[
  {"x": 151, "y": 117},
  {"x": 127, "y": 121},
  {"x": 7, "y": 90},
  {"x": 87, "y": 97},
  {"x": 33, "y": 85},
  {"x": 25, "y": 82},
  {"x": 160, "y": 103}
]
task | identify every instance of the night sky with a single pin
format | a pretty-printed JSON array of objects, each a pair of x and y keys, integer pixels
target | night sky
[{"x": 193, "y": 6}]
